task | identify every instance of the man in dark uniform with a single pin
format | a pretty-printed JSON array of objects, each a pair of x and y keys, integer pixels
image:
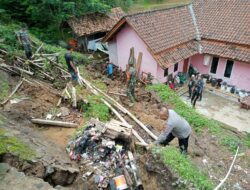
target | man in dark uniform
[
  {"x": 131, "y": 81},
  {"x": 25, "y": 41},
  {"x": 71, "y": 66}
]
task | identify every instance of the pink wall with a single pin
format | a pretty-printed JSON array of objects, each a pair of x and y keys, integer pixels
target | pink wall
[
  {"x": 160, "y": 71},
  {"x": 113, "y": 54},
  {"x": 119, "y": 49},
  {"x": 240, "y": 76},
  {"x": 126, "y": 39},
  {"x": 119, "y": 53}
]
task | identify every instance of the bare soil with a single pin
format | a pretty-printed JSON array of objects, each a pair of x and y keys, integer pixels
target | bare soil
[{"x": 204, "y": 149}]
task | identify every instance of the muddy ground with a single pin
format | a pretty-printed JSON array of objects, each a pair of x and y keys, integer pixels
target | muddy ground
[
  {"x": 204, "y": 149},
  {"x": 49, "y": 142}
]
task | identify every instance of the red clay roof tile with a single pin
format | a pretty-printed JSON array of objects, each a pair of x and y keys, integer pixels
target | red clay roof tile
[{"x": 162, "y": 29}]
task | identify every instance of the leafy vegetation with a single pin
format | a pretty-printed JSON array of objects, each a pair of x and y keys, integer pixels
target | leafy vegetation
[
  {"x": 12, "y": 145},
  {"x": 10, "y": 43},
  {"x": 46, "y": 17},
  {"x": 184, "y": 167},
  {"x": 96, "y": 108}
]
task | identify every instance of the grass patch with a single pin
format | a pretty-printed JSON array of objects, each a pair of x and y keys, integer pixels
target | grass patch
[
  {"x": 142, "y": 5},
  {"x": 12, "y": 145},
  {"x": 198, "y": 121},
  {"x": 96, "y": 108},
  {"x": 195, "y": 119},
  {"x": 231, "y": 142},
  {"x": 184, "y": 167}
]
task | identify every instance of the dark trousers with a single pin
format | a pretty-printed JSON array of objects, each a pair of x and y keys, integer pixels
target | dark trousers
[
  {"x": 190, "y": 91},
  {"x": 194, "y": 98},
  {"x": 200, "y": 96},
  {"x": 28, "y": 51},
  {"x": 110, "y": 76},
  {"x": 183, "y": 143}
]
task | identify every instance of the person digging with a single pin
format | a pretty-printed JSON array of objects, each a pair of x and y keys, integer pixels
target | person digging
[
  {"x": 176, "y": 126},
  {"x": 131, "y": 81}
]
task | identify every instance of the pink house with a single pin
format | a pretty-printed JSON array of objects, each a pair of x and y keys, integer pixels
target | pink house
[{"x": 212, "y": 35}]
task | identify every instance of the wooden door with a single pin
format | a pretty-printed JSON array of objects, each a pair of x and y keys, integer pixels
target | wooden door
[{"x": 185, "y": 66}]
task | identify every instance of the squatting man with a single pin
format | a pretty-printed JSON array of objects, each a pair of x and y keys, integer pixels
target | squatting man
[{"x": 176, "y": 126}]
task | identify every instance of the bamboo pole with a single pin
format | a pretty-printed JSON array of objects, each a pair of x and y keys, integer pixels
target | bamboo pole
[
  {"x": 119, "y": 106},
  {"x": 23, "y": 70},
  {"x": 38, "y": 49},
  {"x": 54, "y": 123}
]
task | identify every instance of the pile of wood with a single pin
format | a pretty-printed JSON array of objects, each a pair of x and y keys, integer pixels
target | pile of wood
[
  {"x": 113, "y": 105},
  {"x": 42, "y": 65}
]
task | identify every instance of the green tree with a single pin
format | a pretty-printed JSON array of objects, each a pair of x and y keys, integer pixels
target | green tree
[{"x": 49, "y": 14}]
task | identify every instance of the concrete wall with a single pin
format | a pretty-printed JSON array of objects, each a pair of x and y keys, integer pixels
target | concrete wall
[
  {"x": 128, "y": 38},
  {"x": 160, "y": 71},
  {"x": 240, "y": 76}
]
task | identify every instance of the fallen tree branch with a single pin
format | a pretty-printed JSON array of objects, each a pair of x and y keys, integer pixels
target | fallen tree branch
[
  {"x": 54, "y": 123},
  {"x": 13, "y": 92}
]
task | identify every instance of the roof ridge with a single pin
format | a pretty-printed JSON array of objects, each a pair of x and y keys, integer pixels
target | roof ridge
[{"x": 156, "y": 10}]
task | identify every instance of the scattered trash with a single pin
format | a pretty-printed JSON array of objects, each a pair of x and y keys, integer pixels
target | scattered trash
[
  {"x": 106, "y": 157},
  {"x": 49, "y": 116}
]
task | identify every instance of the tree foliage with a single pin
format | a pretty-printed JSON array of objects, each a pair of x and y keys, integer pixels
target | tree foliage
[{"x": 48, "y": 15}]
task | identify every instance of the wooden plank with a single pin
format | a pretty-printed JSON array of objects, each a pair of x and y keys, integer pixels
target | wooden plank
[{"x": 138, "y": 64}]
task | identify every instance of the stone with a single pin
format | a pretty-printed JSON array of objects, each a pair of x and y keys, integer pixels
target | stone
[
  {"x": 49, "y": 170},
  {"x": 64, "y": 111}
]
